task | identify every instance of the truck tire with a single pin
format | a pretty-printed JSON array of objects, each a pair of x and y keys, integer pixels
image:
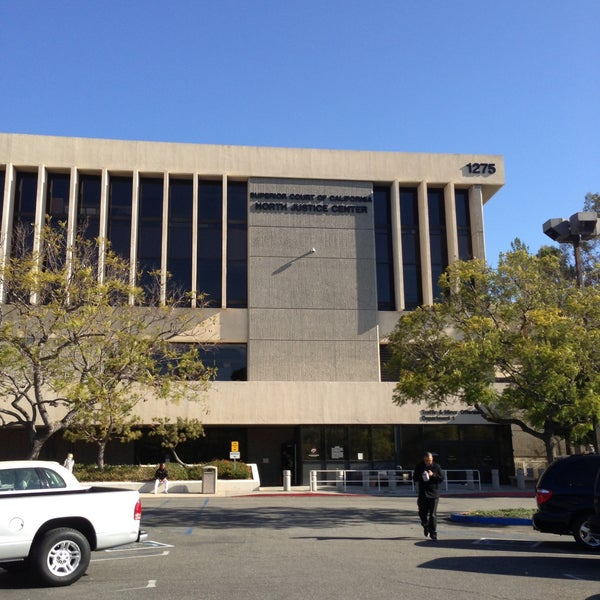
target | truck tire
[
  {"x": 61, "y": 557},
  {"x": 582, "y": 534}
]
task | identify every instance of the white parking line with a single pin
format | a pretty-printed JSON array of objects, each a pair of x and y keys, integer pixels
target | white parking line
[
  {"x": 164, "y": 553},
  {"x": 149, "y": 545},
  {"x": 151, "y": 584}
]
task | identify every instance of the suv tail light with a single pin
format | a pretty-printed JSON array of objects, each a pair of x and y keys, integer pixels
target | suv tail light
[
  {"x": 137, "y": 511},
  {"x": 542, "y": 496}
]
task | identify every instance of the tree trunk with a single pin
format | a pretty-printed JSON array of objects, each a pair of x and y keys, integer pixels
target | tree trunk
[
  {"x": 549, "y": 445},
  {"x": 100, "y": 455},
  {"x": 37, "y": 440},
  {"x": 177, "y": 459}
]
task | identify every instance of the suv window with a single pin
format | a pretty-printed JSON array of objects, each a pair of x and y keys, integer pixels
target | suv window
[{"x": 578, "y": 474}]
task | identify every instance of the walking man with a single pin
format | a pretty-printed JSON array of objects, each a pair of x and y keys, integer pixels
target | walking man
[{"x": 428, "y": 476}]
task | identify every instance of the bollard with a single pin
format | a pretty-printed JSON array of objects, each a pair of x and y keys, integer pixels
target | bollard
[
  {"x": 470, "y": 480},
  {"x": 339, "y": 483},
  {"x": 366, "y": 480},
  {"x": 287, "y": 481},
  {"x": 520, "y": 479},
  {"x": 392, "y": 480},
  {"x": 313, "y": 481},
  {"x": 496, "y": 479}
]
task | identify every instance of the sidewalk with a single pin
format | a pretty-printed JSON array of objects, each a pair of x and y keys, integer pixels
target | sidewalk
[{"x": 454, "y": 491}]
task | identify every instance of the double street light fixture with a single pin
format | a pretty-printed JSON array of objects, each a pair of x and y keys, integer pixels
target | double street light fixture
[{"x": 582, "y": 226}]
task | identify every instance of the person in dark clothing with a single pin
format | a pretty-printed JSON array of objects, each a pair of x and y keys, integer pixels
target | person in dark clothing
[
  {"x": 161, "y": 476},
  {"x": 428, "y": 476}
]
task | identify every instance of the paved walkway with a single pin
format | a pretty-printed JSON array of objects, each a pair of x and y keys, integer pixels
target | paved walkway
[{"x": 455, "y": 491}]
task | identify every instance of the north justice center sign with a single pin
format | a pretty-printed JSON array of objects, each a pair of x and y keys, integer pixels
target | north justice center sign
[{"x": 310, "y": 203}]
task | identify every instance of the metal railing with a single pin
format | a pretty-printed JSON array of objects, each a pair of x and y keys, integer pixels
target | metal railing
[
  {"x": 465, "y": 477},
  {"x": 370, "y": 479},
  {"x": 345, "y": 479}
]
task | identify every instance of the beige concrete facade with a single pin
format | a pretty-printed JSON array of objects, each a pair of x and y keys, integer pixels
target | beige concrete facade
[
  {"x": 325, "y": 301},
  {"x": 312, "y": 325}
]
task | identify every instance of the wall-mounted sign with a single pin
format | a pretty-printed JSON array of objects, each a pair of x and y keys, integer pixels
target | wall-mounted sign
[
  {"x": 476, "y": 168},
  {"x": 445, "y": 415},
  {"x": 337, "y": 452},
  {"x": 310, "y": 203}
]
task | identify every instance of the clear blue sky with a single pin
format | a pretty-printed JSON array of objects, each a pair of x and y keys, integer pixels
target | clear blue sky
[{"x": 520, "y": 78}]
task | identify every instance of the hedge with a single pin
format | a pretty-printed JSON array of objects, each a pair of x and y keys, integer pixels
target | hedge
[{"x": 226, "y": 469}]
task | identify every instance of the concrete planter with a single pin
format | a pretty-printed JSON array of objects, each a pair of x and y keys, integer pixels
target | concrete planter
[{"x": 224, "y": 487}]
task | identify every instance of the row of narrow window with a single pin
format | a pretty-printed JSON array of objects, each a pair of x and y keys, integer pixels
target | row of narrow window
[
  {"x": 410, "y": 240},
  {"x": 209, "y": 217}
]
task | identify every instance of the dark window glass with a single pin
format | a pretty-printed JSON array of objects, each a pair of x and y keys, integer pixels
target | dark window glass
[
  {"x": 119, "y": 215},
  {"x": 229, "y": 360},
  {"x": 437, "y": 236},
  {"x": 24, "y": 211},
  {"x": 411, "y": 249},
  {"x": 312, "y": 444},
  {"x": 388, "y": 371},
  {"x": 384, "y": 446},
  {"x": 463, "y": 224},
  {"x": 57, "y": 205},
  {"x": 209, "y": 242},
  {"x": 237, "y": 244},
  {"x": 336, "y": 442},
  {"x": 179, "y": 249},
  {"x": 150, "y": 236},
  {"x": 57, "y": 196},
  {"x": 210, "y": 224},
  {"x": 359, "y": 438},
  {"x": 384, "y": 253},
  {"x": 88, "y": 205}
]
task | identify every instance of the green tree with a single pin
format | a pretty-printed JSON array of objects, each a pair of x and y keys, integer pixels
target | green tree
[
  {"x": 171, "y": 435},
  {"x": 76, "y": 349},
  {"x": 519, "y": 343}
]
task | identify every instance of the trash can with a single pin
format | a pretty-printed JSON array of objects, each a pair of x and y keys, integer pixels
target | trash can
[{"x": 209, "y": 480}]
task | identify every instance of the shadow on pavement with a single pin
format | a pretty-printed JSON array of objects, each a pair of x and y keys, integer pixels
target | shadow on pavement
[
  {"x": 274, "y": 517},
  {"x": 547, "y": 567}
]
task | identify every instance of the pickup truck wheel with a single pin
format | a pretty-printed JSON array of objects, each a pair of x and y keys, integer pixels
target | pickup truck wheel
[
  {"x": 61, "y": 557},
  {"x": 583, "y": 536}
]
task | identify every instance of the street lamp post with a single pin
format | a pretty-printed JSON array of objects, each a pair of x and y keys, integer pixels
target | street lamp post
[{"x": 580, "y": 227}]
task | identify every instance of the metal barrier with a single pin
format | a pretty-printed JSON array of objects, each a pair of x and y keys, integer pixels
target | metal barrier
[
  {"x": 367, "y": 479},
  {"x": 344, "y": 479},
  {"x": 470, "y": 478}
]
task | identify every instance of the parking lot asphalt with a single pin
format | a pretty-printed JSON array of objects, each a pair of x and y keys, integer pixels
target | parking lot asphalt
[{"x": 328, "y": 546}]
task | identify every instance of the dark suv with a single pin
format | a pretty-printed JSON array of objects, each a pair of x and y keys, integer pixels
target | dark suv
[{"x": 565, "y": 498}]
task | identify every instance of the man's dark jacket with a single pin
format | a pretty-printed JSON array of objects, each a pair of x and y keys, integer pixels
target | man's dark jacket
[
  {"x": 431, "y": 488},
  {"x": 161, "y": 474}
]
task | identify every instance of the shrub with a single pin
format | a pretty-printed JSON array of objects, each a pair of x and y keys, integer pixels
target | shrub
[{"x": 227, "y": 469}]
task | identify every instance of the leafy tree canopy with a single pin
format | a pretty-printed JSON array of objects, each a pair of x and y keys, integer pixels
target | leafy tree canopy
[
  {"x": 80, "y": 345},
  {"x": 520, "y": 343}
]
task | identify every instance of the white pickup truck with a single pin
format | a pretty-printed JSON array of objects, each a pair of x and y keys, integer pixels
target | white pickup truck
[{"x": 50, "y": 523}]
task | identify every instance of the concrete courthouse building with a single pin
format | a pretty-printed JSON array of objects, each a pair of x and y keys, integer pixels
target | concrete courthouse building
[{"x": 308, "y": 257}]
